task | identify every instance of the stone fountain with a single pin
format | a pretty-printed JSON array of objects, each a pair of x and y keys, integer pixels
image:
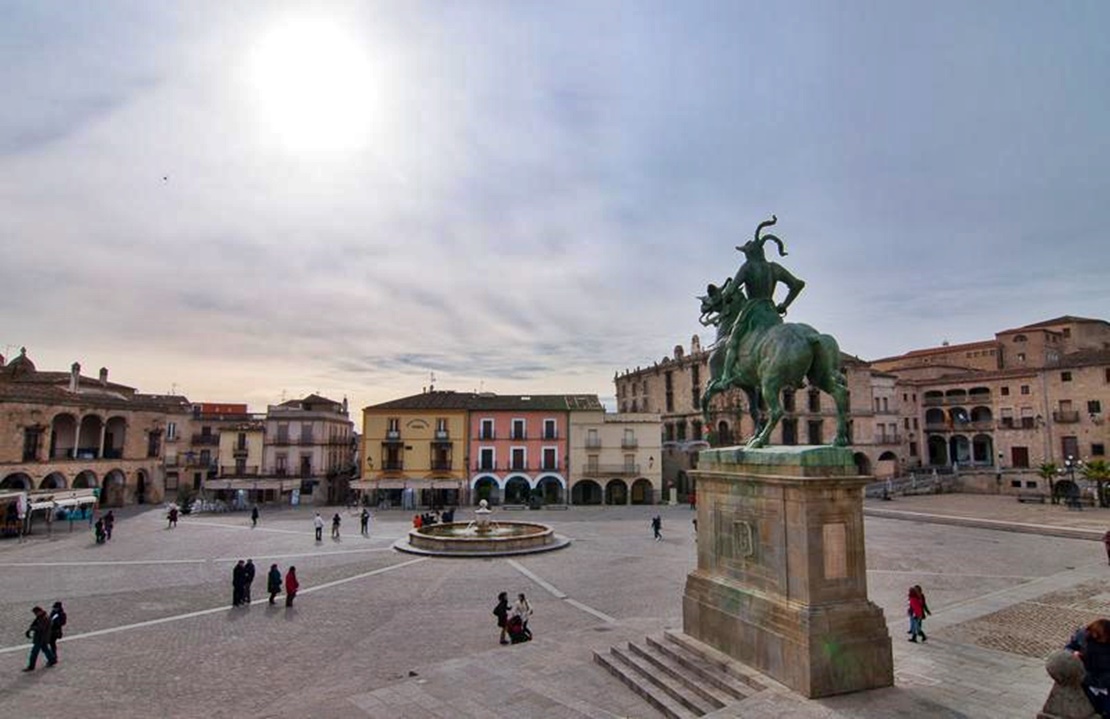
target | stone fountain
[{"x": 481, "y": 537}]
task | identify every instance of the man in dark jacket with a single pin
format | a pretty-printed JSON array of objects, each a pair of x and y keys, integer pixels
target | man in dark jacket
[
  {"x": 39, "y": 634},
  {"x": 57, "y": 621},
  {"x": 237, "y": 576},
  {"x": 273, "y": 582},
  {"x": 248, "y": 579}
]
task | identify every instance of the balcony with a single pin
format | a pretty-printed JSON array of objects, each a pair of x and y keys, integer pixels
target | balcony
[
  {"x": 517, "y": 467},
  {"x": 518, "y": 436},
  {"x": 593, "y": 442},
  {"x": 441, "y": 465},
  {"x": 610, "y": 470},
  {"x": 629, "y": 443},
  {"x": 239, "y": 452},
  {"x": 1064, "y": 416},
  {"x": 245, "y": 471},
  {"x": 394, "y": 465},
  {"x": 489, "y": 436},
  {"x": 206, "y": 439},
  {"x": 888, "y": 439},
  {"x": 551, "y": 435},
  {"x": 442, "y": 435},
  {"x": 393, "y": 436}
]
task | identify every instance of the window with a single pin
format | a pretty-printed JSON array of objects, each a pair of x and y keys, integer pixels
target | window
[
  {"x": 549, "y": 430},
  {"x": 1005, "y": 391},
  {"x": 630, "y": 463},
  {"x": 1020, "y": 356},
  {"x": 171, "y": 431},
  {"x": 681, "y": 432},
  {"x": 154, "y": 444},
  {"x": 1019, "y": 338},
  {"x": 241, "y": 441},
  {"x": 1094, "y": 406},
  {"x": 306, "y": 433},
  {"x": 915, "y": 422},
  {"x": 669, "y": 392},
  {"x": 1015, "y": 483},
  {"x": 1067, "y": 332},
  {"x": 815, "y": 431},
  {"x": 876, "y": 404},
  {"x": 206, "y": 458},
  {"x": 913, "y": 449},
  {"x": 550, "y": 458},
  {"x": 790, "y": 431},
  {"x": 441, "y": 425},
  {"x": 788, "y": 400},
  {"x": 906, "y": 423},
  {"x": 486, "y": 431},
  {"x": 1065, "y": 376},
  {"x": 281, "y": 464},
  {"x": 32, "y": 438},
  {"x": 1098, "y": 449},
  {"x": 486, "y": 459},
  {"x": 593, "y": 441},
  {"x": 1025, "y": 389},
  {"x": 886, "y": 408},
  {"x": 283, "y": 434},
  {"x": 519, "y": 458},
  {"x": 696, "y": 428},
  {"x": 306, "y": 465},
  {"x": 518, "y": 429},
  {"x": 814, "y": 404},
  {"x": 591, "y": 463}
]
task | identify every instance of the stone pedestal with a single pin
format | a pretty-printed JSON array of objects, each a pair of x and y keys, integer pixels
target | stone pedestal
[{"x": 781, "y": 583}]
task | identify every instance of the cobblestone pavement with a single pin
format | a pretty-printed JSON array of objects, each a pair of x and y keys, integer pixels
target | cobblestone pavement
[{"x": 382, "y": 634}]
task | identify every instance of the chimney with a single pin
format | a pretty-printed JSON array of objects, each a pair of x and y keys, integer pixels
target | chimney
[
  {"x": 104, "y": 376},
  {"x": 74, "y": 376}
]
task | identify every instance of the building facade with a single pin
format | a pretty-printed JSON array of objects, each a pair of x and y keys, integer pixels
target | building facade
[
  {"x": 616, "y": 458},
  {"x": 62, "y": 430},
  {"x": 308, "y": 446}
]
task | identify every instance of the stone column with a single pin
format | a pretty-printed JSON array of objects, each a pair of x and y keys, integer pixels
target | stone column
[{"x": 781, "y": 581}]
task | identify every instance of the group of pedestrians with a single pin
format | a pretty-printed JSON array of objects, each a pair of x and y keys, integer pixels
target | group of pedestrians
[
  {"x": 513, "y": 620},
  {"x": 102, "y": 528},
  {"x": 44, "y": 633},
  {"x": 242, "y": 577}
]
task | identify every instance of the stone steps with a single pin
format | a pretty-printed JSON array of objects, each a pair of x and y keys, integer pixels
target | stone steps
[{"x": 679, "y": 676}]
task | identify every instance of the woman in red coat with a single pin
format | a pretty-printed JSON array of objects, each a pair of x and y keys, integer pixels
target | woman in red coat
[
  {"x": 917, "y": 613},
  {"x": 291, "y": 586}
]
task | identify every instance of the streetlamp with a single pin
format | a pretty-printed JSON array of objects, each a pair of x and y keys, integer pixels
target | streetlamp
[{"x": 1070, "y": 465}]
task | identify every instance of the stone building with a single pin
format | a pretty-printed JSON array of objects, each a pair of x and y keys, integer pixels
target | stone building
[
  {"x": 616, "y": 458},
  {"x": 192, "y": 455},
  {"x": 62, "y": 430},
  {"x": 309, "y": 440},
  {"x": 993, "y": 410}
]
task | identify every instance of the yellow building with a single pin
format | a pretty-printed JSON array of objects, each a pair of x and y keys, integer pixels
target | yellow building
[{"x": 414, "y": 450}]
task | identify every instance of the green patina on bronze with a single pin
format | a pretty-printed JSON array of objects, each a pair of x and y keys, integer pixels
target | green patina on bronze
[{"x": 759, "y": 353}]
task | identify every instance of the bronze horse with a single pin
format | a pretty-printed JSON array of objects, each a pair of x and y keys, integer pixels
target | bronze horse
[{"x": 773, "y": 355}]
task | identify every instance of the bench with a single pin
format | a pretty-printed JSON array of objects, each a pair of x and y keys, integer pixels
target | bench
[
  {"x": 514, "y": 507},
  {"x": 1032, "y": 497}
]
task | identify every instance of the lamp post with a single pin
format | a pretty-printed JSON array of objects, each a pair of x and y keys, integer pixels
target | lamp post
[
  {"x": 1070, "y": 465},
  {"x": 998, "y": 473}
]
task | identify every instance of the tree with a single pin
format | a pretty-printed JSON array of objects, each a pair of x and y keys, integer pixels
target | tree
[
  {"x": 1048, "y": 471},
  {"x": 1098, "y": 471}
]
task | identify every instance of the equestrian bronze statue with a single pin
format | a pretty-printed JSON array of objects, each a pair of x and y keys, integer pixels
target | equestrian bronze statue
[{"x": 759, "y": 353}]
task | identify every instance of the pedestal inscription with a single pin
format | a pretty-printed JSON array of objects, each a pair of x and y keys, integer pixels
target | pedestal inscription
[{"x": 782, "y": 586}]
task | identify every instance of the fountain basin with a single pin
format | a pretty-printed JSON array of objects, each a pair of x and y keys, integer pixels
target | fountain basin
[{"x": 461, "y": 539}]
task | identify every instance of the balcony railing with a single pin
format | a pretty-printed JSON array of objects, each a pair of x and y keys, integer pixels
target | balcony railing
[
  {"x": 393, "y": 436},
  {"x": 551, "y": 435},
  {"x": 393, "y": 466},
  {"x": 610, "y": 470},
  {"x": 206, "y": 439},
  {"x": 510, "y": 467},
  {"x": 1064, "y": 416},
  {"x": 487, "y": 435},
  {"x": 246, "y": 471},
  {"x": 593, "y": 442},
  {"x": 888, "y": 439},
  {"x": 442, "y": 435},
  {"x": 441, "y": 466},
  {"x": 629, "y": 443},
  {"x": 239, "y": 452},
  {"x": 519, "y": 436}
]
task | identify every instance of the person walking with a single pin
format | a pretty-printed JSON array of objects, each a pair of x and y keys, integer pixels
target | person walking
[
  {"x": 237, "y": 575},
  {"x": 172, "y": 517},
  {"x": 291, "y": 586},
  {"x": 501, "y": 611},
  {"x": 273, "y": 582},
  {"x": 109, "y": 522},
  {"x": 335, "y": 520},
  {"x": 39, "y": 634},
  {"x": 1106, "y": 543},
  {"x": 254, "y": 516},
  {"x": 248, "y": 580},
  {"x": 318, "y": 522},
  {"x": 916, "y": 613},
  {"x": 98, "y": 531},
  {"x": 657, "y": 527},
  {"x": 57, "y": 621},
  {"x": 364, "y": 522}
]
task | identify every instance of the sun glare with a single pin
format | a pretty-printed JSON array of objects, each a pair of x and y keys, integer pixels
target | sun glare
[{"x": 312, "y": 85}]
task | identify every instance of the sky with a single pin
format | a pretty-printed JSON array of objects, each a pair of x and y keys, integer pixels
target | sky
[{"x": 252, "y": 201}]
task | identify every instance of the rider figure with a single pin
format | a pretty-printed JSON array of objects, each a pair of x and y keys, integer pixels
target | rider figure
[{"x": 759, "y": 277}]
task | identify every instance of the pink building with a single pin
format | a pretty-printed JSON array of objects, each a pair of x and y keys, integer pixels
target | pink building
[{"x": 519, "y": 448}]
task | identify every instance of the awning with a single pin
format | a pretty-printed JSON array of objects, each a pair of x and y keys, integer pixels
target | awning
[
  {"x": 371, "y": 484},
  {"x": 280, "y": 485}
]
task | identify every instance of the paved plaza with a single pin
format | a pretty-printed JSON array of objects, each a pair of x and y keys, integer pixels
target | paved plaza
[{"x": 377, "y": 633}]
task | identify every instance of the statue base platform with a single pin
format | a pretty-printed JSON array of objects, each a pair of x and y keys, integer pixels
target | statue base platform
[{"x": 781, "y": 582}]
